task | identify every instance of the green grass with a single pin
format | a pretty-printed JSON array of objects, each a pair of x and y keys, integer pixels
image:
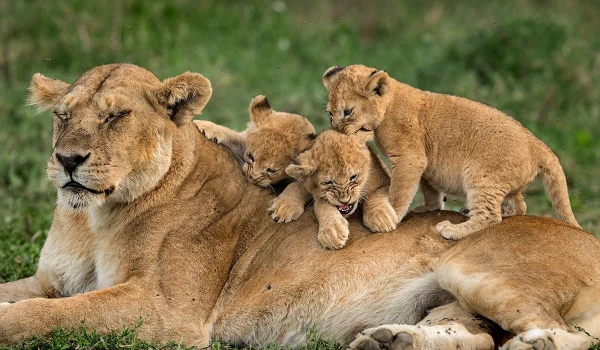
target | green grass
[{"x": 537, "y": 61}]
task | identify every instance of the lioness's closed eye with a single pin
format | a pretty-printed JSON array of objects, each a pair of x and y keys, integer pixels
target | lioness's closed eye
[
  {"x": 340, "y": 172},
  {"x": 448, "y": 144}
]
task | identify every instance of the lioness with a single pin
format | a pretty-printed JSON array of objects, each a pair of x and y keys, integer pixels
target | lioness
[
  {"x": 154, "y": 220},
  {"x": 447, "y": 143}
]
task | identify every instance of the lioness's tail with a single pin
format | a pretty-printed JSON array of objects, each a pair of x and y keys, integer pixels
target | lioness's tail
[{"x": 556, "y": 186}]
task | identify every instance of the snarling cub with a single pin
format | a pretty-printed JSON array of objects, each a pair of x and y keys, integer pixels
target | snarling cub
[
  {"x": 449, "y": 144},
  {"x": 340, "y": 172}
]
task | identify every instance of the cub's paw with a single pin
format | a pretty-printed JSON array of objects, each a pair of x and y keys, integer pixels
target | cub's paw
[
  {"x": 548, "y": 339},
  {"x": 404, "y": 337},
  {"x": 380, "y": 218},
  {"x": 450, "y": 231},
  {"x": 284, "y": 210},
  {"x": 333, "y": 233},
  {"x": 210, "y": 130}
]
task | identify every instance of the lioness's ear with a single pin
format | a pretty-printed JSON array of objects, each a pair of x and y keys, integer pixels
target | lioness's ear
[
  {"x": 44, "y": 92},
  {"x": 185, "y": 96},
  {"x": 378, "y": 83},
  {"x": 301, "y": 167},
  {"x": 260, "y": 109},
  {"x": 331, "y": 76}
]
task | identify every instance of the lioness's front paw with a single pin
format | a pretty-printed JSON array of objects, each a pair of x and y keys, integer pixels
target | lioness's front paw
[
  {"x": 210, "y": 130},
  {"x": 404, "y": 337},
  {"x": 333, "y": 233},
  {"x": 381, "y": 218},
  {"x": 284, "y": 210}
]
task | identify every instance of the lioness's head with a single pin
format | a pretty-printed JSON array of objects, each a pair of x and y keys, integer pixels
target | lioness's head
[
  {"x": 273, "y": 142},
  {"x": 335, "y": 169},
  {"x": 113, "y": 130},
  {"x": 358, "y": 97}
]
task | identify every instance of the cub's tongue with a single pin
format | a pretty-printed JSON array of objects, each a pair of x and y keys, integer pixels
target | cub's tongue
[{"x": 343, "y": 208}]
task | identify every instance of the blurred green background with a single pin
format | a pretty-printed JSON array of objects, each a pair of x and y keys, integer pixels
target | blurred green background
[{"x": 538, "y": 61}]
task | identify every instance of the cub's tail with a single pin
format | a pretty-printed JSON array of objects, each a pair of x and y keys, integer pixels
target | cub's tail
[{"x": 555, "y": 182}]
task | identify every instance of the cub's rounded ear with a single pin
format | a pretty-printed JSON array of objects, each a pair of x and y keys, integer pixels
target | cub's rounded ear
[
  {"x": 45, "y": 93},
  {"x": 306, "y": 142},
  {"x": 260, "y": 109},
  {"x": 301, "y": 167},
  {"x": 378, "y": 83},
  {"x": 185, "y": 96},
  {"x": 331, "y": 76}
]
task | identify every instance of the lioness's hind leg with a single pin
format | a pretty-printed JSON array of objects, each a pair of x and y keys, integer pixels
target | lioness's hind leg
[
  {"x": 484, "y": 205},
  {"x": 513, "y": 204},
  {"x": 584, "y": 312}
]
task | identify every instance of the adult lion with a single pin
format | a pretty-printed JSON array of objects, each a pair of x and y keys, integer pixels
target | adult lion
[{"x": 154, "y": 220}]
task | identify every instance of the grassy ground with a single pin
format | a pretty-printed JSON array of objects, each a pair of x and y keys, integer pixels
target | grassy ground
[{"x": 537, "y": 61}]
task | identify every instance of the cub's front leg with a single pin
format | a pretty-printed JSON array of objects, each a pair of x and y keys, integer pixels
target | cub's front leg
[
  {"x": 333, "y": 228},
  {"x": 234, "y": 141},
  {"x": 289, "y": 205},
  {"x": 378, "y": 213},
  {"x": 407, "y": 169}
]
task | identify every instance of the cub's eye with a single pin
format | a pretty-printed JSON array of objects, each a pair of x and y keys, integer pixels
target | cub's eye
[
  {"x": 119, "y": 114},
  {"x": 250, "y": 157},
  {"x": 353, "y": 177},
  {"x": 271, "y": 171},
  {"x": 327, "y": 183},
  {"x": 348, "y": 112},
  {"x": 62, "y": 116}
]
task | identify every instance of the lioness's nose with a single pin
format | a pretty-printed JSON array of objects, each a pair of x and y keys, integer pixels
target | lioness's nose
[{"x": 71, "y": 162}]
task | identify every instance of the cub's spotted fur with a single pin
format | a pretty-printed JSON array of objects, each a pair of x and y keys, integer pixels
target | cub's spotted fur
[{"x": 450, "y": 144}]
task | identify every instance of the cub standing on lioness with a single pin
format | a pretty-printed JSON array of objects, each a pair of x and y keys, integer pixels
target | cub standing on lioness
[
  {"x": 339, "y": 171},
  {"x": 267, "y": 147},
  {"x": 450, "y": 144}
]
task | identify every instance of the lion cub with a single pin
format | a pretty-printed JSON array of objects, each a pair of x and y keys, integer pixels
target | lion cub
[
  {"x": 270, "y": 142},
  {"x": 449, "y": 144},
  {"x": 339, "y": 172}
]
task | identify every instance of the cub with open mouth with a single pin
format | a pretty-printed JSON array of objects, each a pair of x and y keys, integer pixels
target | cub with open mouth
[{"x": 340, "y": 172}]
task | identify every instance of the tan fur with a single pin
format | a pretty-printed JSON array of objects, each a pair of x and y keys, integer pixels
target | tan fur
[
  {"x": 450, "y": 144},
  {"x": 339, "y": 172},
  {"x": 193, "y": 254},
  {"x": 268, "y": 145}
]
